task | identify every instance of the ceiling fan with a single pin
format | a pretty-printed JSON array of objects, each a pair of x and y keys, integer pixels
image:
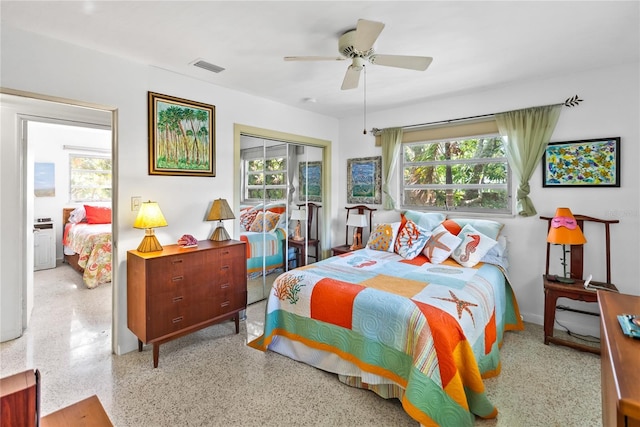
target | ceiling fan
[{"x": 357, "y": 45}]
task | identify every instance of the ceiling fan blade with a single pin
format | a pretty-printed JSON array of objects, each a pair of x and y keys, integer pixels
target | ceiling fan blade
[
  {"x": 367, "y": 33},
  {"x": 314, "y": 58},
  {"x": 351, "y": 78},
  {"x": 419, "y": 63}
]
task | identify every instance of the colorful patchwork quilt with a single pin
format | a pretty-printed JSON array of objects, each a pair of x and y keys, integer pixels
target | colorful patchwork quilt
[
  {"x": 268, "y": 245},
  {"x": 430, "y": 331},
  {"x": 93, "y": 244}
]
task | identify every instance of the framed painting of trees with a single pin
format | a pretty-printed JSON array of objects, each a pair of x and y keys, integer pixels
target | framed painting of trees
[{"x": 181, "y": 137}]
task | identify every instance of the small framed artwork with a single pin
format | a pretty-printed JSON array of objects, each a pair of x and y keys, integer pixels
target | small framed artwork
[
  {"x": 310, "y": 181},
  {"x": 44, "y": 184},
  {"x": 364, "y": 180},
  {"x": 583, "y": 163},
  {"x": 181, "y": 136}
]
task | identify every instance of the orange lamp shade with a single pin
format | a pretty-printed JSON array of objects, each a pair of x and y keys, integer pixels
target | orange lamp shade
[{"x": 564, "y": 229}]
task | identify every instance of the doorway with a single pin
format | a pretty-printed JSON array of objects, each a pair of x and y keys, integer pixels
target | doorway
[{"x": 18, "y": 110}]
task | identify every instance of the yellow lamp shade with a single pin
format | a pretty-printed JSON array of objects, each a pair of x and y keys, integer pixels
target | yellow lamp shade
[
  {"x": 150, "y": 216},
  {"x": 564, "y": 229}
]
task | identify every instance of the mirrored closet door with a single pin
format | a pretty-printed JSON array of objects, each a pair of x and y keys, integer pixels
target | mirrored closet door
[{"x": 280, "y": 209}]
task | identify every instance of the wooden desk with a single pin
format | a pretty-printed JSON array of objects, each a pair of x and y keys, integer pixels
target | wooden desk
[
  {"x": 85, "y": 413},
  {"x": 20, "y": 399},
  {"x": 620, "y": 362}
]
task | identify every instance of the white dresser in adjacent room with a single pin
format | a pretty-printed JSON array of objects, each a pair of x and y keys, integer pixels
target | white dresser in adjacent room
[{"x": 44, "y": 241}]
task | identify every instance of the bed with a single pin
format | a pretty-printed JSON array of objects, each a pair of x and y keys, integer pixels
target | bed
[
  {"x": 86, "y": 242},
  {"x": 420, "y": 326},
  {"x": 262, "y": 228}
]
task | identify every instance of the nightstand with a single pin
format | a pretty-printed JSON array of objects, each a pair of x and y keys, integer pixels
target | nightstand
[
  {"x": 301, "y": 247},
  {"x": 339, "y": 250}
]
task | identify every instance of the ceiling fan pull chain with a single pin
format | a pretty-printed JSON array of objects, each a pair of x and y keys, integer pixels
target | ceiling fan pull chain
[{"x": 364, "y": 131}]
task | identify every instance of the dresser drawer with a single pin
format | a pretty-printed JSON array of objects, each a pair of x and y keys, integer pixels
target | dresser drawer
[
  {"x": 174, "y": 313},
  {"x": 168, "y": 273}
]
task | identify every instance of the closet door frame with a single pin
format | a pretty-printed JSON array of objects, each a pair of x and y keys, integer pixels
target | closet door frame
[{"x": 240, "y": 129}]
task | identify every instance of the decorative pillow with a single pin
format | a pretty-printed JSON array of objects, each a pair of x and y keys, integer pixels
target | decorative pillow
[
  {"x": 411, "y": 240},
  {"x": 452, "y": 226},
  {"x": 440, "y": 245},
  {"x": 247, "y": 216},
  {"x": 383, "y": 236},
  {"x": 265, "y": 221},
  {"x": 473, "y": 247},
  {"x": 276, "y": 207},
  {"x": 98, "y": 214},
  {"x": 78, "y": 215},
  {"x": 426, "y": 220},
  {"x": 487, "y": 227}
]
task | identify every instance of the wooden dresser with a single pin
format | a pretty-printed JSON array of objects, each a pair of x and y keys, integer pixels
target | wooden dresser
[
  {"x": 620, "y": 362},
  {"x": 176, "y": 291}
]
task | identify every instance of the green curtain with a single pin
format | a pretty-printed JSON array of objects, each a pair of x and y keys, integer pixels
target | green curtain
[
  {"x": 526, "y": 134},
  {"x": 391, "y": 141}
]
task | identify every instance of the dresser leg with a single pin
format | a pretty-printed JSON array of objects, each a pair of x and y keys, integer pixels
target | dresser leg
[
  {"x": 237, "y": 320},
  {"x": 139, "y": 345},
  {"x": 156, "y": 354}
]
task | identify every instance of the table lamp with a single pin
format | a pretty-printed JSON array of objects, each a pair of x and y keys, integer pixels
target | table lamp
[
  {"x": 149, "y": 217},
  {"x": 564, "y": 231},
  {"x": 299, "y": 215},
  {"x": 220, "y": 210},
  {"x": 358, "y": 221}
]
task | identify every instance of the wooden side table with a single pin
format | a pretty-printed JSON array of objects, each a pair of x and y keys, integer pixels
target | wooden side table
[
  {"x": 301, "y": 246},
  {"x": 339, "y": 250},
  {"x": 574, "y": 291}
]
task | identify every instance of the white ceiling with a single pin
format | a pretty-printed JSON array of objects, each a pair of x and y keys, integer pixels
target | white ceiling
[{"x": 476, "y": 45}]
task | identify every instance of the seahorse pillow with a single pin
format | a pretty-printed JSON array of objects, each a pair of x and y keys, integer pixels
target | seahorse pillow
[
  {"x": 383, "y": 236},
  {"x": 440, "y": 245},
  {"x": 411, "y": 239},
  {"x": 473, "y": 247}
]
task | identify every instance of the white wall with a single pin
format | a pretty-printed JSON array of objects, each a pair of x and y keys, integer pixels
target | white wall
[
  {"x": 80, "y": 74},
  {"x": 610, "y": 108}
]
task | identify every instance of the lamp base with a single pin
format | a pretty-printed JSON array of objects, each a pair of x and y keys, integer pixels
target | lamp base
[
  {"x": 220, "y": 234},
  {"x": 149, "y": 244},
  {"x": 565, "y": 280}
]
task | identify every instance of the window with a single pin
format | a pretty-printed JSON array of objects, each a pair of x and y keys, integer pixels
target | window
[
  {"x": 266, "y": 179},
  {"x": 469, "y": 174},
  {"x": 89, "y": 178}
]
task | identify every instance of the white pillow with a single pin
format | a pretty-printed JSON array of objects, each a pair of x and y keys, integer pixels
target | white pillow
[
  {"x": 77, "y": 215},
  {"x": 473, "y": 247},
  {"x": 426, "y": 220},
  {"x": 440, "y": 245}
]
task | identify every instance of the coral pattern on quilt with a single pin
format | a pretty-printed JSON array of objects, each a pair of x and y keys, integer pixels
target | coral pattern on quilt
[{"x": 432, "y": 331}]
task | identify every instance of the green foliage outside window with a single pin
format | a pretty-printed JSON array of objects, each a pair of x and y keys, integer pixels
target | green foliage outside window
[
  {"x": 466, "y": 174},
  {"x": 89, "y": 178}
]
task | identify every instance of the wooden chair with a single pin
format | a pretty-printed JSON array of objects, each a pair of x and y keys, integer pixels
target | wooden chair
[{"x": 577, "y": 251}]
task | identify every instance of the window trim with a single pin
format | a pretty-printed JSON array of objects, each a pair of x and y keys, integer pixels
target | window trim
[{"x": 248, "y": 156}]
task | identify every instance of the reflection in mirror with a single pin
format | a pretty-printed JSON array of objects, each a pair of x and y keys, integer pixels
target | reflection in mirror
[{"x": 278, "y": 178}]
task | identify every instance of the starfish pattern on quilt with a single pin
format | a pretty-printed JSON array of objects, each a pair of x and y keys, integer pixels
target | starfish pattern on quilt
[{"x": 460, "y": 305}]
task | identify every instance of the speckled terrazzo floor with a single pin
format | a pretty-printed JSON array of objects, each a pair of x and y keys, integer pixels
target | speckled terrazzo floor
[{"x": 211, "y": 378}]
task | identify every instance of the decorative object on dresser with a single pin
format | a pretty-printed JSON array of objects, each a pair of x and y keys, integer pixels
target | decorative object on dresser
[
  {"x": 620, "y": 365},
  {"x": 579, "y": 290},
  {"x": 178, "y": 291},
  {"x": 358, "y": 222},
  {"x": 149, "y": 217},
  {"x": 220, "y": 211},
  {"x": 565, "y": 231},
  {"x": 352, "y": 210}
]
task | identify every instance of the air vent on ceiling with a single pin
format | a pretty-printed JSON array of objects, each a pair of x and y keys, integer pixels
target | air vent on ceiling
[{"x": 207, "y": 66}]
